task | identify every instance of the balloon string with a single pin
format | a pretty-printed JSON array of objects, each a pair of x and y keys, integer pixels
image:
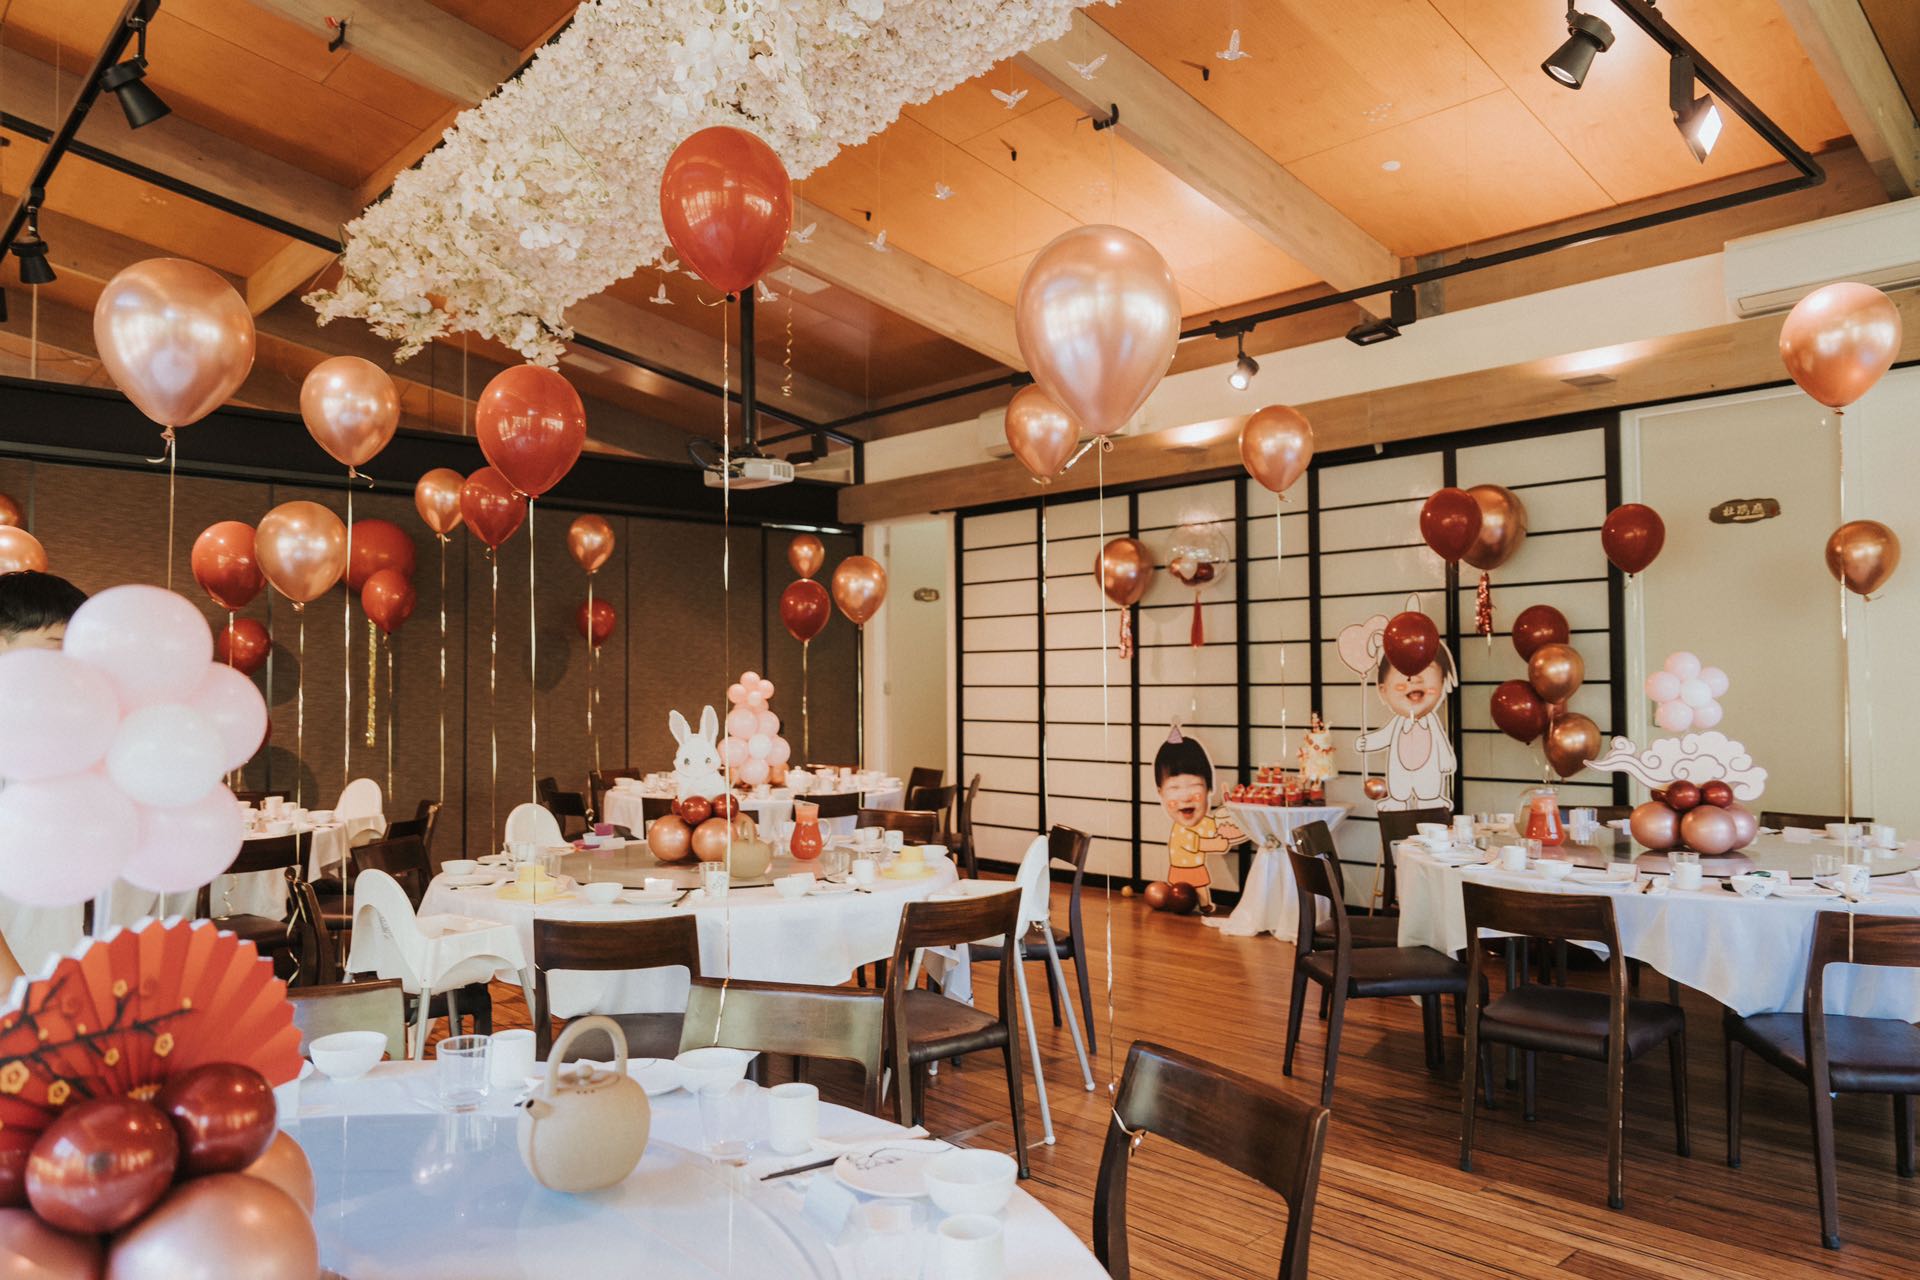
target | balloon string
[
  {"x": 493, "y": 685},
  {"x": 1106, "y": 752},
  {"x": 173, "y": 458},
  {"x": 346, "y": 658},
  {"x": 593, "y": 680},
  {"x": 806, "y": 724},
  {"x": 1042, "y": 531},
  {"x": 533, "y": 670},
  {"x": 1280, "y": 591},
  {"x": 300, "y": 711},
  {"x": 726, "y": 623},
  {"x": 443, "y": 667},
  {"x": 1846, "y": 649}
]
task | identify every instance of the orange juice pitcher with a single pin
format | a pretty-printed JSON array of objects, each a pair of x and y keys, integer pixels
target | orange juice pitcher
[{"x": 1540, "y": 809}]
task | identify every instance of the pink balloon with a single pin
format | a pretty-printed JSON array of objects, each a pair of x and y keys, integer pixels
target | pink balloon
[
  {"x": 766, "y": 689},
  {"x": 756, "y": 701},
  {"x": 185, "y": 847},
  {"x": 165, "y": 755},
  {"x": 1663, "y": 686},
  {"x": 734, "y": 751},
  {"x": 1709, "y": 829},
  {"x": 57, "y": 714},
  {"x": 64, "y": 840},
  {"x": 1695, "y": 693},
  {"x": 769, "y": 724},
  {"x": 152, "y": 644},
  {"x": 234, "y": 706},
  {"x": 741, "y": 723},
  {"x": 749, "y": 678},
  {"x": 1674, "y": 717},
  {"x": 736, "y": 694},
  {"x": 781, "y": 753},
  {"x": 1683, "y": 664},
  {"x": 1746, "y": 827},
  {"x": 753, "y": 772},
  {"x": 1717, "y": 682},
  {"x": 1707, "y": 716},
  {"x": 758, "y": 746}
]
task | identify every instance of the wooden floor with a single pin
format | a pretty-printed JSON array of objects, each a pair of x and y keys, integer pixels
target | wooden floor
[{"x": 1393, "y": 1201}]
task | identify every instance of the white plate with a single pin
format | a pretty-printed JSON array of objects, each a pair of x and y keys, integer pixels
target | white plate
[
  {"x": 898, "y": 1173},
  {"x": 472, "y": 879},
  {"x": 650, "y": 897},
  {"x": 656, "y": 1075},
  {"x": 831, "y": 886}
]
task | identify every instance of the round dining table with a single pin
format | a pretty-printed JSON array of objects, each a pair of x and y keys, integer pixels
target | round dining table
[
  {"x": 1268, "y": 902},
  {"x": 625, "y": 804},
  {"x": 407, "y": 1190}
]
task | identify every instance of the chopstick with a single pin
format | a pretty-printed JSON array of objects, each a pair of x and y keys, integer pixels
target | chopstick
[{"x": 801, "y": 1168}]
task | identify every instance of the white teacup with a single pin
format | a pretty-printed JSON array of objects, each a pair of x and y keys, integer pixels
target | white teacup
[
  {"x": 1856, "y": 879},
  {"x": 933, "y": 851},
  {"x": 512, "y": 1058},
  {"x": 1430, "y": 828},
  {"x": 864, "y": 871},
  {"x": 1555, "y": 868},
  {"x": 1686, "y": 875},
  {"x": 1513, "y": 857},
  {"x": 657, "y": 884},
  {"x": 1463, "y": 828},
  {"x": 1885, "y": 836},
  {"x": 1844, "y": 832},
  {"x": 971, "y": 1246},
  {"x": 793, "y": 1117}
]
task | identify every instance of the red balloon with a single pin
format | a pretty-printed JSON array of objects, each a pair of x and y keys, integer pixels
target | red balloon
[
  {"x": 1450, "y": 523},
  {"x": 223, "y": 1115},
  {"x": 1716, "y": 793},
  {"x": 388, "y": 599},
  {"x": 695, "y": 810},
  {"x": 490, "y": 506},
  {"x": 243, "y": 646},
  {"x": 1536, "y": 625},
  {"x": 1411, "y": 642},
  {"x": 1518, "y": 711},
  {"x": 805, "y": 609},
  {"x": 1632, "y": 536},
  {"x": 1182, "y": 898},
  {"x": 224, "y": 566},
  {"x": 1682, "y": 796},
  {"x": 532, "y": 426},
  {"x": 101, "y": 1164},
  {"x": 373, "y": 545},
  {"x": 727, "y": 204},
  {"x": 602, "y": 624}
]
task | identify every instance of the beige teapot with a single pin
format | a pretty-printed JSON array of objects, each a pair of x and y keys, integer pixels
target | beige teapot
[
  {"x": 585, "y": 1127},
  {"x": 748, "y": 856}
]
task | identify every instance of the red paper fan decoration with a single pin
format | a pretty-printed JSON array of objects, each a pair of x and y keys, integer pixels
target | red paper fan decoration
[{"x": 124, "y": 1015}]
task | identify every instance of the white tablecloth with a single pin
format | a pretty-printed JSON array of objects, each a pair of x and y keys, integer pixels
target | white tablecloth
[
  {"x": 753, "y": 934},
  {"x": 405, "y": 1192},
  {"x": 624, "y": 807},
  {"x": 1749, "y": 954},
  {"x": 1268, "y": 902}
]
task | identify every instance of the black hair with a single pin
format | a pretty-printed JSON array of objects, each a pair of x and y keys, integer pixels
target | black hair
[
  {"x": 31, "y": 601},
  {"x": 1443, "y": 659},
  {"x": 1181, "y": 755}
]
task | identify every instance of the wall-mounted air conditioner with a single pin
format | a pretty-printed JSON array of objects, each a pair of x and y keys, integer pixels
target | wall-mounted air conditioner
[{"x": 1768, "y": 273}]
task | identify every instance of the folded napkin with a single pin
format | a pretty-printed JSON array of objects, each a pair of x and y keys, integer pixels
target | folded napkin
[{"x": 914, "y": 1139}]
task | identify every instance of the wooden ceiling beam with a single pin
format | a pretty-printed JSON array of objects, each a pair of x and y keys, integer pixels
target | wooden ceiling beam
[
  {"x": 412, "y": 39},
  {"x": 1846, "y": 53},
  {"x": 1183, "y": 137},
  {"x": 290, "y": 270}
]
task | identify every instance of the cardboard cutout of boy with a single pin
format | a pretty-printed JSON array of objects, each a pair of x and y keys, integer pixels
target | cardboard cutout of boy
[
  {"x": 1183, "y": 774},
  {"x": 1420, "y": 759}
]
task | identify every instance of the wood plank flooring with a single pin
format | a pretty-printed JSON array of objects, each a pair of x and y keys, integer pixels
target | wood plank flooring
[{"x": 1393, "y": 1201}]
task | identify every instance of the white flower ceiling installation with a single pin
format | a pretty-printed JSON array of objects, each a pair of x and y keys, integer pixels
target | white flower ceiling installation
[{"x": 549, "y": 191}]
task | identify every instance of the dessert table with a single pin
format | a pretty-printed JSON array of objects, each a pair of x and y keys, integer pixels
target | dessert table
[
  {"x": 405, "y": 1190},
  {"x": 623, "y": 804},
  {"x": 1750, "y": 954},
  {"x": 1268, "y": 903}
]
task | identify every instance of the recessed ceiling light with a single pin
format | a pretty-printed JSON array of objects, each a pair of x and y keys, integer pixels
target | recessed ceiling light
[{"x": 1391, "y": 166}]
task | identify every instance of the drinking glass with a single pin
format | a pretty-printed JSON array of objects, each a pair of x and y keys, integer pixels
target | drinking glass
[
  {"x": 726, "y": 1118},
  {"x": 889, "y": 1239},
  {"x": 463, "y": 1073},
  {"x": 1825, "y": 865},
  {"x": 834, "y": 863}
]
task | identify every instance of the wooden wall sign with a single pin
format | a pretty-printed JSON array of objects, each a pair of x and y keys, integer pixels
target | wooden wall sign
[{"x": 1744, "y": 510}]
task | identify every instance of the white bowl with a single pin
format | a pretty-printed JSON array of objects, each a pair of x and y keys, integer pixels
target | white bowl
[
  {"x": 459, "y": 866},
  {"x": 1555, "y": 868},
  {"x": 971, "y": 1181},
  {"x": 602, "y": 892},
  {"x": 319, "y": 816},
  {"x": 347, "y": 1055},
  {"x": 1845, "y": 832},
  {"x": 795, "y": 885},
  {"x": 702, "y": 1067},
  {"x": 279, "y": 827},
  {"x": 1748, "y": 886},
  {"x": 1432, "y": 828}
]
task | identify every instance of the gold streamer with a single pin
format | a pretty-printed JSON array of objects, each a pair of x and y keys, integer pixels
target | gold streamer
[
  {"x": 806, "y": 724},
  {"x": 493, "y": 685},
  {"x": 373, "y": 689},
  {"x": 1106, "y": 750},
  {"x": 300, "y": 712},
  {"x": 346, "y": 655},
  {"x": 442, "y": 794},
  {"x": 1280, "y": 593},
  {"x": 389, "y": 648}
]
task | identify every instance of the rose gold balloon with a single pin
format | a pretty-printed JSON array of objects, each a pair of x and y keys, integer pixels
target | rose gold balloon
[
  {"x": 10, "y": 513},
  {"x": 101, "y": 1164},
  {"x": 285, "y": 1165},
  {"x": 859, "y": 588},
  {"x": 351, "y": 407},
  {"x": 1276, "y": 445},
  {"x": 1709, "y": 829},
  {"x": 1375, "y": 788},
  {"x": 1123, "y": 569},
  {"x": 302, "y": 548},
  {"x": 1863, "y": 554},
  {"x": 223, "y": 1227},
  {"x": 670, "y": 838},
  {"x": 20, "y": 550},
  {"x": 1503, "y": 527},
  {"x": 222, "y": 1112},
  {"x": 1655, "y": 825},
  {"x": 174, "y": 337},
  {"x": 437, "y": 498},
  {"x": 1097, "y": 318},
  {"x": 1746, "y": 827},
  {"x": 1572, "y": 740},
  {"x": 806, "y": 554},
  {"x": 710, "y": 840},
  {"x": 1839, "y": 340},
  {"x": 590, "y": 541},
  {"x": 32, "y": 1250},
  {"x": 1555, "y": 671},
  {"x": 1040, "y": 432}
]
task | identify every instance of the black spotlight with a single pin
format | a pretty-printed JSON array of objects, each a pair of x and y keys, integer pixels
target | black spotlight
[
  {"x": 1586, "y": 36},
  {"x": 1698, "y": 119},
  {"x": 1244, "y": 368},
  {"x": 1402, "y": 313},
  {"x": 32, "y": 250},
  {"x": 127, "y": 82}
]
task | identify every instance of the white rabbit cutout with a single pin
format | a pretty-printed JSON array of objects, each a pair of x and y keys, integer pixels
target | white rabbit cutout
[{"x": 696, "y": 765}]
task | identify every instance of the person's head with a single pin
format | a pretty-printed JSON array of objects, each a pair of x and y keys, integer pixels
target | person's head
[
  {"x": 1417, "y": 695},
  {"x": 1184, "y": 776},
  {"x": 34, "y": 608}
]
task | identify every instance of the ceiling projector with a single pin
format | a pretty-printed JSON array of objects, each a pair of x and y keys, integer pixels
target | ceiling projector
[{"x": 749, "y": 472}]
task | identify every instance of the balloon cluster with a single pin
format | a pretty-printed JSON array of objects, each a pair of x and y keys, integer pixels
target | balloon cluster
[
  {"x": 753, "y": 748},
  {"x": 699, "y": 826},
  {"x": 1701, "y": 816},
  {"x": 184, "y": 1184},
  {"x": 114, "y": 750},
  {"x": 805, "y": 608},
  {"x": 1537, "y": 706},
  {"x": 1686, "y": 694},
  {"x": 590, "y": 543},
  {"x": 1180, "y": 899}
]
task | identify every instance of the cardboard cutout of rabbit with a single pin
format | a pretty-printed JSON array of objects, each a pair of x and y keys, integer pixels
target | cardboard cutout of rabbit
[
  {"x": 1420, "y": 757},
  {"x": 696, "y": 764}
]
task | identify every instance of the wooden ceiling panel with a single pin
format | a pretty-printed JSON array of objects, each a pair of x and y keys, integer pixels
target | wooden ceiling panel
[
  {"x": 1002, "y": 280},
  {"x": 969, "y": 110},
  {"x": 1478, "y": 170},
  {"x": 1618, "y": 126},
  {"x": 516, "y": 22},
  {"x": 1896, "y": 25}
]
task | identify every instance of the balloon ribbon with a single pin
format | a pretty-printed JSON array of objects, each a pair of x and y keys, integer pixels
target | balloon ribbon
[
  {"x": 442, "y": 794},
  {"x": 300, "y": 710},
  {"x": 493, "y": 685},
  {"x": 533, "y": 670},
  {"x": 373, "y": 688}
]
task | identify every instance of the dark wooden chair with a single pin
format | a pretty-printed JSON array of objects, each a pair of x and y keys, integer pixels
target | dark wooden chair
[
  {"x": 915, "y": 826},
  {"x": 602, "y": 946},
  {"x": 804, "y": 1022},
  {"x": 297, "y": 944},
  {"x": 352, "y": 1006},
  {"x": 920, "y": 778},
  {"x": 565, "y": 806},
  {"x": 1397, "y": 825},
  {"x": 1067, "y": 849},
  {"x": 1367, "y": 930},
  {"x": 1604, "y": 1026},
  {"x": 1350, "y": 973},
  {"x": 963, "y": 829},
  {"x": 599, "y": 782},
  {"x": 935, "y": 800},
  {"x": 1834, "y": 1053},
  {"x": 1780, "y": 819},
  {"x": 926, "y": 1026},
  {"x": 1244, "y": 1123},
  {"x": 427, "y": 814},
  {"x": 845, "y": 804}
]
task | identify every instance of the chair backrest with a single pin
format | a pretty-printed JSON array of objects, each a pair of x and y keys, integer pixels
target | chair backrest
[
  {"x": 1781, "y": 819},
  {"x": 360, "y": 799},
  {"x": 533, "y": 822},
  {"x": 918, "y": 826},
  {"x": 806, "y": 1022},
  {"x": 414, "y": 828},
  {"x": 1244, "y": 1123},
  {"x": 267, "y": 853},
  {"x": 562, "y": 804},
  {"x": 844, "y": 804},
  {"x": 599, "y": 782},
  {"x": 351, "y": 1006},
  {"x": 932, "y": 799},
  {"x": 1557, "y": 917},
  {"x": 428, "y": 813},
  {"x": 1314, "y": 877},
  {"x": 1031, "y": 876},
  {"x": 382, "y": 910},
  {"x": 919, "y": 777},
  {"x": 1840, "y": 937},
  {"x": 1397, "y": 825},
  {"x": 652, "y": 942},
  {"x": 963, "y": 823},
  {"x": 404, "y": 858},
  {"x": 652, "y": 807}
]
